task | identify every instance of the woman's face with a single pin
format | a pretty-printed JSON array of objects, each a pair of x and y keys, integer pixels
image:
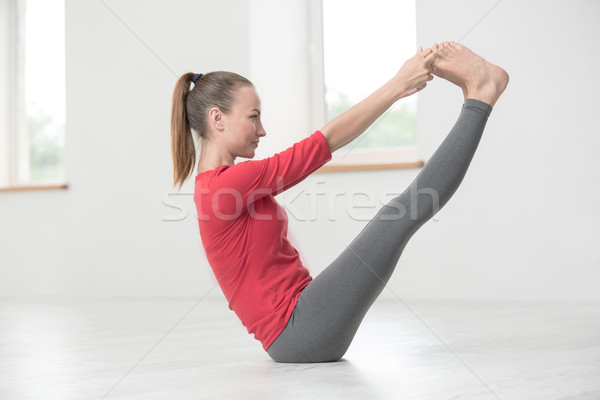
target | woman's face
[{"x": 243, "y": 126}]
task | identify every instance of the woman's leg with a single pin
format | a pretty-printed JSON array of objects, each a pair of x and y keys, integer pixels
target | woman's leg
[{"x": 332, "y": 306}]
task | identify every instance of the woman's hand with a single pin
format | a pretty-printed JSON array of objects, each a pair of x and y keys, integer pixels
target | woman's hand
[
  {"x": 416, "y": 72},
  {"x": 412, "y": 77}
]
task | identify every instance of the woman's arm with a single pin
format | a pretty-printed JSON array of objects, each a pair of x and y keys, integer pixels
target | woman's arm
[{"x": 412, "y": 77}]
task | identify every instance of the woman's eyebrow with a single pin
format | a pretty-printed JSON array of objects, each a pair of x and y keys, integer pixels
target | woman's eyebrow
[{"x": 257, "y": 110}]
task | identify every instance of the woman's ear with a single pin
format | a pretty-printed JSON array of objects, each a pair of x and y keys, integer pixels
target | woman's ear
[{"x": 215, "y": 118}]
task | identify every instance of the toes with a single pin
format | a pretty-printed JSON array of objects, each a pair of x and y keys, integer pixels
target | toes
[{"x": 443, "y": 48}]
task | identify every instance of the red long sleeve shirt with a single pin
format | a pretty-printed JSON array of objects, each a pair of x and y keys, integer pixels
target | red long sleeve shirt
[{"x": 244, "y": 234}]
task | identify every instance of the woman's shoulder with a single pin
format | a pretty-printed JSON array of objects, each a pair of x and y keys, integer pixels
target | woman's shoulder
[
  {"x": 210, "y": 169},
  {"x": 207, "y": 175}
]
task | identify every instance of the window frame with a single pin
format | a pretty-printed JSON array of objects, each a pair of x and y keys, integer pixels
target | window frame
[
  {"x": 14, "y": 148},
  {"x": 8, "y": 50}
]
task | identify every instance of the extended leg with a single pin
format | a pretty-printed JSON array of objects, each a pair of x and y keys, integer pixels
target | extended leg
[{"x": 332, "y": 306}]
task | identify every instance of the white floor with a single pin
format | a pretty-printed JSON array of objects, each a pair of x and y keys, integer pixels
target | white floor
[{"x": 190, "y": 349}]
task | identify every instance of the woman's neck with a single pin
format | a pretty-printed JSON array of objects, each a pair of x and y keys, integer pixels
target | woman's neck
[{"x": 211, "y": 157}]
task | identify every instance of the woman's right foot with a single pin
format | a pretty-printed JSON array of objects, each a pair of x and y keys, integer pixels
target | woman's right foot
[{"x": 478, "y": 78}]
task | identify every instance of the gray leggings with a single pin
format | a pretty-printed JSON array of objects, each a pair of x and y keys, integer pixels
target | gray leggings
[{"x": 331, "y": 308}]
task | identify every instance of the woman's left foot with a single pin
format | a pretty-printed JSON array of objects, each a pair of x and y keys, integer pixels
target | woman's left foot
[{"x": 478, "y": 78}]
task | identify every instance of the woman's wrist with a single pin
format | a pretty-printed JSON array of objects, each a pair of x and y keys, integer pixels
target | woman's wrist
[{"x": 399, "y": 86}]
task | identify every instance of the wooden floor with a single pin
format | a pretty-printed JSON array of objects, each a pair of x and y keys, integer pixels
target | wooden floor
[{"x": 191, "y": 349}]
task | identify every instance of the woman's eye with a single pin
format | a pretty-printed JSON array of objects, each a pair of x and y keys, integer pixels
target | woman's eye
[{"x": 254, "y": 116}]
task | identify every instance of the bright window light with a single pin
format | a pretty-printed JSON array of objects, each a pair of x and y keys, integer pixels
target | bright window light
[{"x": 365, "y": 44}]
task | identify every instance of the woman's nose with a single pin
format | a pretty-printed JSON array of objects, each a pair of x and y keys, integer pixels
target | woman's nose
[{"x": 261, "y": 131}]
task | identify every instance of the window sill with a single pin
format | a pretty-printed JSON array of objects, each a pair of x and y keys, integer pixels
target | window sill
[
  {"x": 22, "y": 188},
  {"x": 369, "y": 167},
  {"x": 374, "y": 159}
]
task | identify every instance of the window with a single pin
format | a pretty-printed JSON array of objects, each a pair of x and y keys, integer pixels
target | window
[
  {"x": 364, "y": 45},
  {"x": 32, "y": 81}
]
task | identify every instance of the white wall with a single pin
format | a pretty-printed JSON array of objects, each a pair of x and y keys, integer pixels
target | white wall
[
  {"x": 522, "y": 226},
  {"x": 525, "y": 224},
  {"x": 105, "y": 234}
]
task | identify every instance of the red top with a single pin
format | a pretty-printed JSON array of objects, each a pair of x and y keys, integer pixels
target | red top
[{"x": 244, "y": 233}]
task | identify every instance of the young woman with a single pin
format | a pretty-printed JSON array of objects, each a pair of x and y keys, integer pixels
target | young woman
[{"x": 244, "y": 229}]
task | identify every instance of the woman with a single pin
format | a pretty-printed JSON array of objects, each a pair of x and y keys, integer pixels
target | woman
[{"x": 244, "y": 229}]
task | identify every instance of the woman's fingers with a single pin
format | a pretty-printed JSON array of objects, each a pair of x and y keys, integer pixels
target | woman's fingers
[
  {"x": 430, "y": 60},
  {"x": 426, "y": 52},
  {"x": 416, "y": 71}
]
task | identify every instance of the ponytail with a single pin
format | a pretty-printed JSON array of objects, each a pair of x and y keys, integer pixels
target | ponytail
[
  {"x": 189, "y": 113},
  {"x": 183, "y": 148}
]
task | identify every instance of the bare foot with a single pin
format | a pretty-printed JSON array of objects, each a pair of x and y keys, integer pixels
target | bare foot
[{"x": 479, "y": 79}]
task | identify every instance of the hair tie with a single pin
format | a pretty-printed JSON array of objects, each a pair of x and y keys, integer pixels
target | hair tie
[{"x": 196, "y": 77}]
